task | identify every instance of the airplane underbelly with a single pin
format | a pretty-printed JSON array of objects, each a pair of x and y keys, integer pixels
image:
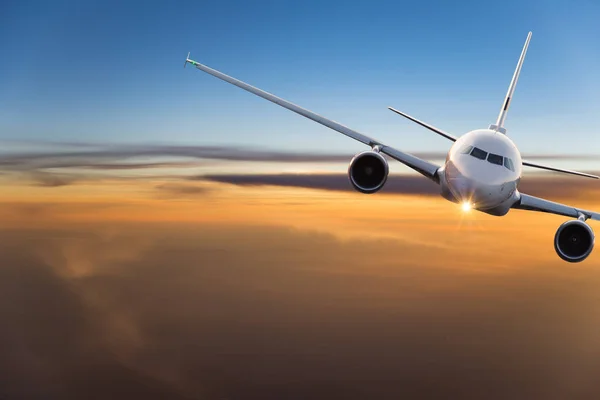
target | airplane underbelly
[{"x": 488, "y": 196}]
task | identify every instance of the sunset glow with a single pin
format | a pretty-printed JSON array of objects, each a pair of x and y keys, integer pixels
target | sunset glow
[{"x": 166, "y": 235}]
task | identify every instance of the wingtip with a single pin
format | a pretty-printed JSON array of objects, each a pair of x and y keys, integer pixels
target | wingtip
[{"x": 589, "y": 175}]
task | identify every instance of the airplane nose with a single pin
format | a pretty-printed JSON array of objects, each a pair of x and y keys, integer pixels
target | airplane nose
[{"x": 465, "y": 189}]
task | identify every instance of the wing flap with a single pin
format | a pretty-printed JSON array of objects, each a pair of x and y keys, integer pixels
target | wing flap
[{"x": 566, "y": 171}]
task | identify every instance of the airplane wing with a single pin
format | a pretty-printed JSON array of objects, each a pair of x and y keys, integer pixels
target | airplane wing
[
  {"x": 425, "y": 168},
  {"x": 425, "y": 124},
  {"x": 566, "y": 171},
  {"x": 527, "y": 202}
]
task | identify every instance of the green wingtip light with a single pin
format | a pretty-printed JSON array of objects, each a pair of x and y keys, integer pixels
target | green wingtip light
[{"x": 187, "y": 60}]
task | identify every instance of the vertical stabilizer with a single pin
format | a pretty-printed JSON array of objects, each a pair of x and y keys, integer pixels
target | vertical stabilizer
[{"x": 499, "y": 126}]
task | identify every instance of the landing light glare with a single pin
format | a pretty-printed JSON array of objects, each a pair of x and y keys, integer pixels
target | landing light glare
[{"x": 466, "y": 206}]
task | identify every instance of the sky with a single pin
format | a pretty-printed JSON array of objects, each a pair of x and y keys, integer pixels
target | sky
[
  {"x": 112, "y": 71},
  {"x": 165, "y": 235}
]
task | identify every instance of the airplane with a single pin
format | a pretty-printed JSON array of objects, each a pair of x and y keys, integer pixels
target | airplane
[{"x": 482, "y": 170}]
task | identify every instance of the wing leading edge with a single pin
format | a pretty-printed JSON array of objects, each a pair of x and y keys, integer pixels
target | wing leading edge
[{"x": 424, "y": 167}]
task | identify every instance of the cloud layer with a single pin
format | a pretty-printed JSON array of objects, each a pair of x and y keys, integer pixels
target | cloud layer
[
  {"x": 538, "y": 185},
  {"x": 97, "y": 155},
  {"x": 84, "y": 163},
  {"x": 206, "y": 312},
  {"x": 239, "y": 305}
]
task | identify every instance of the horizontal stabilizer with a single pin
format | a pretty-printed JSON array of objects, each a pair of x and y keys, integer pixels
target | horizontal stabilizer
[
  {"x": 566, "y": 171},
  {"x": 426, "y": 125}
]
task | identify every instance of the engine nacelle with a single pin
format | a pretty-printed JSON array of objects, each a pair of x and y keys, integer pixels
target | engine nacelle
[
  {"x": 574, "y": 241},
  {"x": 368, "y": 171}
]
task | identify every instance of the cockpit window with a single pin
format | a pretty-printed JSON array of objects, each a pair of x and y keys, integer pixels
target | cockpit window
[
  {"x": 509, "y": 164},
  {"x": 491, "y": 157},
  {"x": 495, "y": 159},
  {"x": 478, "y": 153},
  {"x": 466, "y": 150}
]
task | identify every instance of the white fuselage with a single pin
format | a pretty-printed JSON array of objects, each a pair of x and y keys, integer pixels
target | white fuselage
[{"x": 483, "y": 169}]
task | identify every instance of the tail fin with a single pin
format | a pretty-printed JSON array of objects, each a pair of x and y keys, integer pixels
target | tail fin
[{"x": 499, "y": 126}]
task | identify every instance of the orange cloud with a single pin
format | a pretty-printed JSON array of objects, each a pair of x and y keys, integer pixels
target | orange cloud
[
  {"x": 210, "y": 310},
  {"x": 428, "y": 221}
]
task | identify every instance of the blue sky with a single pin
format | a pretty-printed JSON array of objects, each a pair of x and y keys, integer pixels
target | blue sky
[{"x": 113, "y": 71}]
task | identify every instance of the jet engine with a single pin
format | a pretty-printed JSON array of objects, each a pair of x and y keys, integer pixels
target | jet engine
[
  {"x": 368, "y": 171},
  {"x": 574, "y": 241}
]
